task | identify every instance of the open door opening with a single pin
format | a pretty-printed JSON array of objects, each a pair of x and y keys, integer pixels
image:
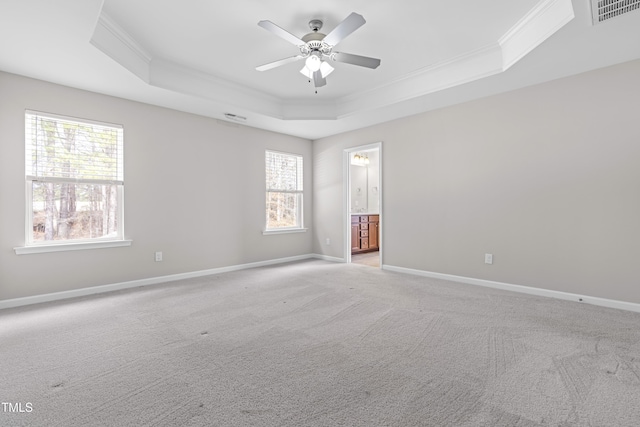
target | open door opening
[{"x": 363, "y": 205}]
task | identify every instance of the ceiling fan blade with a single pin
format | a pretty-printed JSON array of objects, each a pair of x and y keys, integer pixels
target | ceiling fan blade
[
  {"x": 270, "y": 26},
  {"x": 362, "y": 61},
  {"x": 346, "y": 27},
  {"x": 278, "y": 63},
  {"x": 318, "y": 80}
]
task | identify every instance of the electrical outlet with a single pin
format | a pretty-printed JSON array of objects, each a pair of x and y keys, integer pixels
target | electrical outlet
[
  {"x": 328, "y": 241},
  {"x": 158, "y": 256},
  {"x": 488, "y": 258}
]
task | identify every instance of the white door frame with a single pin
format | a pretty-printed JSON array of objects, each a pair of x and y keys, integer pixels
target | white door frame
[{"x": 346, "y": 161}]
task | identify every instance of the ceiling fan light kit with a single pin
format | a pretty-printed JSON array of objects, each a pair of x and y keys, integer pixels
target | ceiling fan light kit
[
  {"x": 313, "y": 61},
  {"x": 317, "y": 48}
]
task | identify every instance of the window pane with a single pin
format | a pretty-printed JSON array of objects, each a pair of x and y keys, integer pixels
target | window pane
[
  {"x": 68, "y": 211},
  {"x": 284, "y": 190},
  {"x": 284, "y": 171},
  {"x": 66, "y": 148},
  {"x": 282, "y": 210}
]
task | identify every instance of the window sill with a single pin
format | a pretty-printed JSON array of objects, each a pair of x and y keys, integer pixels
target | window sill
[
  {"x": 39, "y": 249},
  {"x": 285, "y": 231}
]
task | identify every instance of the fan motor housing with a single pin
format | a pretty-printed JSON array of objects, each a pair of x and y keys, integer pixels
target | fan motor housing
[{"x": 313, "y": 37}]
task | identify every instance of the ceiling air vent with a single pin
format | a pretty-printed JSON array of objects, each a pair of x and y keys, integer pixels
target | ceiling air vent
[{"x": 603, "y": 10}]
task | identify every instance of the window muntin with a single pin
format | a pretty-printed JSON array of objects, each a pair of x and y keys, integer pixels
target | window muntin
[
  {"x": 75, "y": 180},
  {"x": 283, "y": 191}
]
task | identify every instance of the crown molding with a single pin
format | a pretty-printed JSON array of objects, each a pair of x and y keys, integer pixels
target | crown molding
[
  {"x": 470, "y": 66},
  {"x": 546, "y": 18},
  {"x": 177, "y": 78},
  {"x": 115, "y": 42},
  {"x": 534, "y": 28}
]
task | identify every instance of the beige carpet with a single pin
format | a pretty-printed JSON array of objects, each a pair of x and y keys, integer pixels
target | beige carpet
[{"x": 319, "y": 344}]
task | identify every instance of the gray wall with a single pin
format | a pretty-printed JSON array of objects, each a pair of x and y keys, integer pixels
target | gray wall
[
  {"x": 194, "y": 189},
  {"x": 545, "y": 178}
]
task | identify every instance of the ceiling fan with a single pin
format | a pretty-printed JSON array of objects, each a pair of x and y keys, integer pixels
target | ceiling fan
[{"x": 317, "y": 48}]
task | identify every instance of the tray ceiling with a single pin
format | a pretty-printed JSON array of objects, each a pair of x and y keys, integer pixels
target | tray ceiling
[{"x": 201, "y": 56}]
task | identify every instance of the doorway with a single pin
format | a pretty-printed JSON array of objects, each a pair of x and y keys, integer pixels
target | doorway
[{"x": 363, "y": 205}]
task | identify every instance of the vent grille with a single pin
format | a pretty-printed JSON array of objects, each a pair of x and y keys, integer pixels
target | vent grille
[{"x": 604, "y": 10}]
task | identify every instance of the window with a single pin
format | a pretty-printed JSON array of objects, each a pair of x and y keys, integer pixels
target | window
[
  {"x": 284, "y": 191},
  {"x": 75, "y": 183}
]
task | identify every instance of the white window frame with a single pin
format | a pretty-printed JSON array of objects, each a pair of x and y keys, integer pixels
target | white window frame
[
  {"x": 299, "y": 227},
  {"x": 32, "y": 246}
]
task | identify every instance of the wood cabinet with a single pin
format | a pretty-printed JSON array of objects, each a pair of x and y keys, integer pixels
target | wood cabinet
[{"x": 365, "y": 233}]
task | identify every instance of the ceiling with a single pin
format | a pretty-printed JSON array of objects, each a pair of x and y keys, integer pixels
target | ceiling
[{"x": 200, "y": 56}]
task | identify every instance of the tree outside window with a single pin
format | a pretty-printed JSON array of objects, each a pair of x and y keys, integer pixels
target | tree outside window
[
  {"x": 284, "y": 191},
  {"x": 74, "y": 172}
]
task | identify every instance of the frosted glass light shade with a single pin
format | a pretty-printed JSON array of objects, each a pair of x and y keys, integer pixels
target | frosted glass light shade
[
  {"x": 325, "y": 70},
  {"x": 313, "y": 62}
]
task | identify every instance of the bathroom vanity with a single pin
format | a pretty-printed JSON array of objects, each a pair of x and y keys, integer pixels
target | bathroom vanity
[{"x": 365, "y": 233}]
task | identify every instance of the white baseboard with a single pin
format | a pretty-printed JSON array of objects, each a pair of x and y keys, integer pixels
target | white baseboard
[
  {"x": 55, "y": 296},
  {"x": 36, "y": 299},
  {"x": 328, "y": 258},
  {"x": 621, "y": 305}
]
